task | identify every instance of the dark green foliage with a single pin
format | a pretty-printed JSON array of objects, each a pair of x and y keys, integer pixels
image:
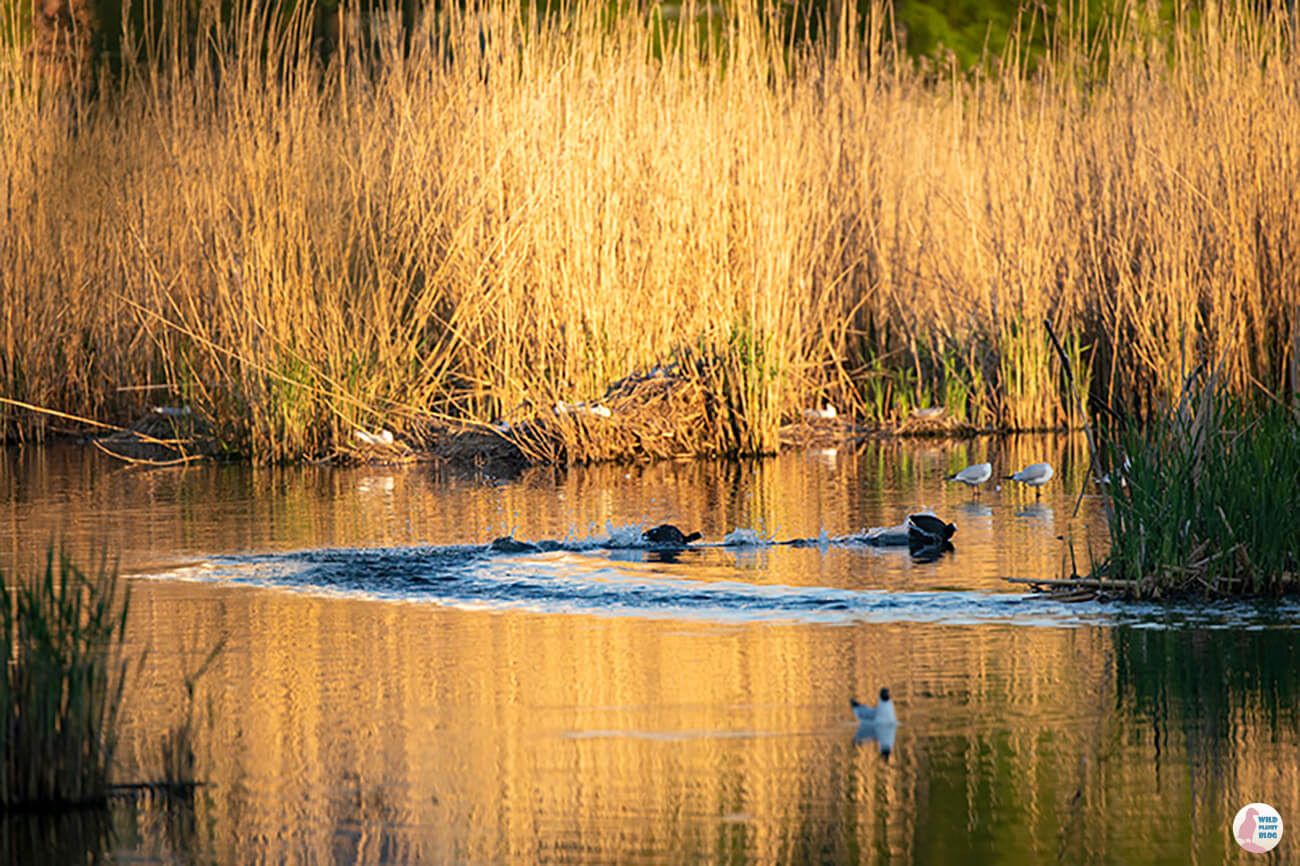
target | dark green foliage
[
  {"x": 970, "y": 32},
  {"x": 967, "y": 29}
]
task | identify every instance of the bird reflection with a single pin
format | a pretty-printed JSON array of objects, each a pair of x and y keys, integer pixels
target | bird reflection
[
  {"x": 881, "y": 734},
  {"x": 927, "y": 552},
  {"x": 644, "y": 554},
  {"x": 1037, "y": 511},
  {"x": 975, "y": 509},
  {"x": 667, "y": 554},
  {"x": 876, "y": 724}
]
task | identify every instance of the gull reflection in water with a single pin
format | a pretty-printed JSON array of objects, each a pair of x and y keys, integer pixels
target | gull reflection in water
[
  {"x": 972, "y": 510},
  {"x": 878, "y": 724},
  {"x": 1037, "y": 512},
  {"x": 882, "y": 734}
]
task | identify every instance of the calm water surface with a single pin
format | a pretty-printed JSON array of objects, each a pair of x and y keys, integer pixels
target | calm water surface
[{"x": 391, "y": 691}]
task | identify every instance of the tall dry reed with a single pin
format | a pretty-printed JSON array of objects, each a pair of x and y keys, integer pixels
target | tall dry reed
[{"x": 497, "y": 211}]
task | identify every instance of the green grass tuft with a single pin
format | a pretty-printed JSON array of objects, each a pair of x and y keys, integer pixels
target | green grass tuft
[
  {"x": 1205, "y": 498},
  {"x": 61, "y": 688}
]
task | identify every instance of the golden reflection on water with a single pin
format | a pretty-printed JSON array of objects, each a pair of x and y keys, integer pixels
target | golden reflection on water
[
  {"x": 158, "y": 517},
  {"x": 344, "y": 729},
  {"x": 517, "y": 737},
  {"x": 367, "y": 731}
]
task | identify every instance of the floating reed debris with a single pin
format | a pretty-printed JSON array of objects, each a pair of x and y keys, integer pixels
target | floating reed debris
[
  {"x": 165, "y": 436},
  {"x": 60, "y": 691},
  {"x": 1079, "y": 588}
]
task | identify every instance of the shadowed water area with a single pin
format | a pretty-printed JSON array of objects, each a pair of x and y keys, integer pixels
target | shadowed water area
[{"x": 393, "y": 690}]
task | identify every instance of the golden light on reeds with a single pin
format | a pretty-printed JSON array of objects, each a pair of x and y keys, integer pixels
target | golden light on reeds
[{"x": 515, "y": 210}]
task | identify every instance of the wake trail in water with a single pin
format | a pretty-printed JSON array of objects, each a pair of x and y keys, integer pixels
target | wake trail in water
[{"x": 615, "y": 574}]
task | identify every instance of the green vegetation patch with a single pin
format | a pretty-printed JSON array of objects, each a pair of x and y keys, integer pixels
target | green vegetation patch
[
  {"x": 1205, "y": 497},
  {"x": 61, "y": 689}
]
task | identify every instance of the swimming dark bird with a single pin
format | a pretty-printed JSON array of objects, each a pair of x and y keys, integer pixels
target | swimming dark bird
[
  {"x": 927, "y": 528},
  {"x": 509, "y": 544},
  {"x": 881, "y": 714},
  {"x": 669, "y": 535}
]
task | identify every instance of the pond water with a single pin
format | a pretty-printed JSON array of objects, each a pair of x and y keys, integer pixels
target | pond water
[{"x": 390, "y": 690}]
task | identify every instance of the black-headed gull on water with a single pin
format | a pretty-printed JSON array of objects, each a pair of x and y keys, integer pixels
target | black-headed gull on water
[{"x": 881, "y": 714}]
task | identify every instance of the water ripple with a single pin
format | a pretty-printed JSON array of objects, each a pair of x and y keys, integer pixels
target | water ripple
[{"x": 585, "y": 577}]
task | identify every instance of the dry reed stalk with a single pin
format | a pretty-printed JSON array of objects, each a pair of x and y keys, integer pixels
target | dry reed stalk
[{"x": 521, "y": 210}]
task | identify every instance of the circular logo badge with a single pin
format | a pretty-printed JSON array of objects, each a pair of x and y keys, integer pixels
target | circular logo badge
[{"x": 1257, "y": 828}]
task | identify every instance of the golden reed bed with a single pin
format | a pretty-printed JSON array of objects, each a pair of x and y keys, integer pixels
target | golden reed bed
[{"x": 487, "y": 214}]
